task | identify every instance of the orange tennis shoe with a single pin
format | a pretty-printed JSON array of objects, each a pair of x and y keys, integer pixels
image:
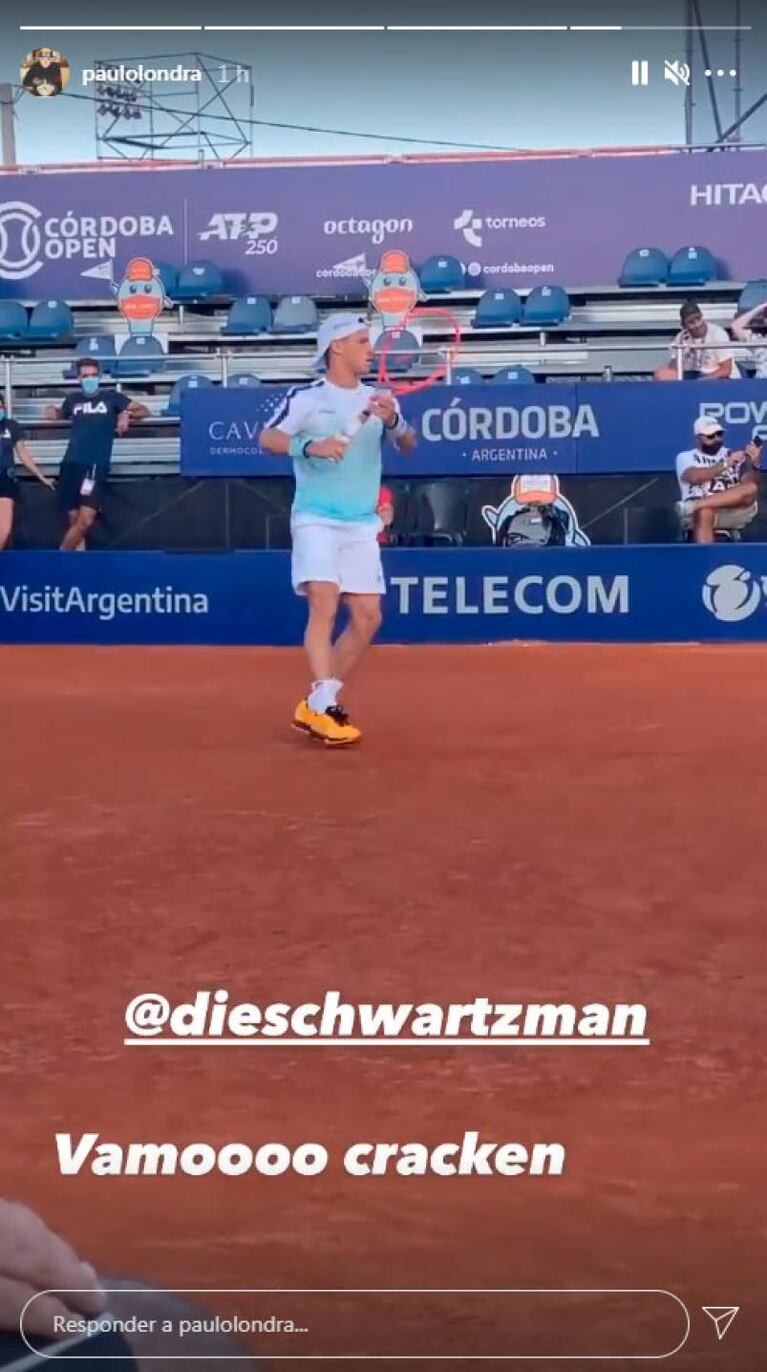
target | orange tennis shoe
[
  {"x": 335, "y": 728},
  {"x": 332, "y": 727},
  {"x": 303, "y": 717}
]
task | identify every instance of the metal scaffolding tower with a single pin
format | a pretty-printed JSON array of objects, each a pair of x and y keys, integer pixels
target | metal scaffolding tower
[
  {"x": 699, "y": 56},
  {"x": 139, "y": 114}
]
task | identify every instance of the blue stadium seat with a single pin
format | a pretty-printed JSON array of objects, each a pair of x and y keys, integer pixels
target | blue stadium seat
[
  {"x": 140, "y": 356},
  {"x": 514, "y": 376},
  {"x": 199, "y": 281},
  {"x": 169, "y": 277},
  {"x": 644, "y": 267},
  {"x": 13, "y": 320},
  {"x": 692, "y": 266},
  {"x": 51, "y": 321},
  {"x": 251, "y": 314},
  {"x": 547, "y": 305},
  {"x": 403, "y": 349},
  {"x": 295, "y": 314},
  {"x": 754, "y": 293},
  {"x": 442, "y": 274},
  {"x": 185, "y": 383},
  {"x": 498, "y": 310},
  {"x": 99, "y": 346},
  {"x": 243, "y": 379},
  {"x": 467, "y": 376}
]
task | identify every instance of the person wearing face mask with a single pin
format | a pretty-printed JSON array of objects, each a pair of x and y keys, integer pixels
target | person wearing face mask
[
  {"x": 96, "y": 414},
  {"x": 12, "y": 446},
  {"x": 719, "y": 489}
]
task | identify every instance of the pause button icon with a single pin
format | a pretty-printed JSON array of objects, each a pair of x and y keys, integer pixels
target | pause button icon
[{"x": 640, "y": 72}]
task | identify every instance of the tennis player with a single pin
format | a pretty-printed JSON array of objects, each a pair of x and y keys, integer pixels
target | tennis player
[{"x": 333, "y": 428}]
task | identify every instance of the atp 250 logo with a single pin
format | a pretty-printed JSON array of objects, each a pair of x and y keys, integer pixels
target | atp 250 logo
[{"x": 255, "y": 229}]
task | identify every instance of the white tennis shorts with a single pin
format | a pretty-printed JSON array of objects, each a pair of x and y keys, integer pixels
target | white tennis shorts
[{"x": 334, "y": 550}]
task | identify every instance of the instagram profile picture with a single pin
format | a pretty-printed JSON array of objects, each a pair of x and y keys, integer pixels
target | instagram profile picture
[{"x": 44, "y": 72}]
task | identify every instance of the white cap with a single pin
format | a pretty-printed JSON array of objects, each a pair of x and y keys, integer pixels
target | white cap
[
  {"x": 706, "y": 425},
  {"x": 334, "y": 327}
]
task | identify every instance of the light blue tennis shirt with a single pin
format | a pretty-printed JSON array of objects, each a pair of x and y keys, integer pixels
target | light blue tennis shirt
[{"x": 346, "y": 490}]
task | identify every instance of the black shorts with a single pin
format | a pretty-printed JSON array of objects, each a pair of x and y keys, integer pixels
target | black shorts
[
  {"x": 80, "y": 485},
  {"x": 9, "y": 486}
]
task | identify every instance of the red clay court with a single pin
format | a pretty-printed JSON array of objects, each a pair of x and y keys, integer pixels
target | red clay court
[{"x": 527, "y": 823}]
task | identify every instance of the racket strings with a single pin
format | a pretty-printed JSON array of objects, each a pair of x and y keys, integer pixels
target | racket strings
[{"x": 420, "y": 352}]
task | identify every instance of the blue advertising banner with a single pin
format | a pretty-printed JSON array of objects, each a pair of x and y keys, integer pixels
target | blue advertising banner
[
  {"x": 320, "y": 229},
  {"x": 632, "y": 594},
  {"x": 494, "y": 430}
]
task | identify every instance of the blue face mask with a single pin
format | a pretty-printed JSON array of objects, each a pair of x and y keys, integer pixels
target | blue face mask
[
  {"x": 90, "y": 384},
  {"x": 2, "y": 413}
]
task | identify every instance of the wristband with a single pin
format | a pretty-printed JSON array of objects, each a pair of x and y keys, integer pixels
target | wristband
[
  {"x": 398, "y": 427},
  {"x": 298, "y": 445}
]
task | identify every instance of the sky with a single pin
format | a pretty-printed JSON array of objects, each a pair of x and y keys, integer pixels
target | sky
[{"x": 508, "y": 90}]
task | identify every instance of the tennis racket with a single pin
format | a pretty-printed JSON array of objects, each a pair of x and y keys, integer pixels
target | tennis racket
[{"x": 419, "y": 353}]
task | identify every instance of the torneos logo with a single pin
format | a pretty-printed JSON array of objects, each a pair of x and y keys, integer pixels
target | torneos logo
[
  {"x": 19, "y": 240},
  {"x": 470, "y": 226},
  {"x": 731, "y": 593}
]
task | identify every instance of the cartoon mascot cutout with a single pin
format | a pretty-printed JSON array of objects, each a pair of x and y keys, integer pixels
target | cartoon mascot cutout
[
  {"x": 141, "y": 297},
  {"x": 535, "y": 514},
  {"x": 395, "y": 290}
]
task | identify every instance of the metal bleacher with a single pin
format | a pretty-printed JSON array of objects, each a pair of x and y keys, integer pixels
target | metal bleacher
[{"x": 618, "y": 331}]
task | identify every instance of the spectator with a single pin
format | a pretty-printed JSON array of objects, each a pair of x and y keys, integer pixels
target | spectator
[
  {"x": 706, "y": 351},
  {"x": 745, "y": 332},
  {"x": 718, "y": 488},
  {"x": 97, "y": 414},
  {"x": 385, "y": 512},
  {"x": 12, "y": 445}
]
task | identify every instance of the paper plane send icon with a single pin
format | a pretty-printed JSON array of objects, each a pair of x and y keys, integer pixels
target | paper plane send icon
[{"x": 722, "y": 1315}]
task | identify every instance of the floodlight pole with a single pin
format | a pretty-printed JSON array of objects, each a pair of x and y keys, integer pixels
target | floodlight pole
[
  {"x": 738, "y": 87},
  {"x": 7, "y": 126},
  {"x": 689, "y": 57},
  {"x": 203, "y": 122}
]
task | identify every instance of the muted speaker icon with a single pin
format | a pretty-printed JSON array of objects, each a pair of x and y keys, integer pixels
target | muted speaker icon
[{"x": 676, "y": 72}]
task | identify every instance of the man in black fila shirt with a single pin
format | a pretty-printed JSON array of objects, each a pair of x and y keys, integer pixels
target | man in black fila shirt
[{"x": 97, "y": 414}]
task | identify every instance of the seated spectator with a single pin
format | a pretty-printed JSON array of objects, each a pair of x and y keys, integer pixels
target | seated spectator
[
  {"x": 706, "y": 351},
  {"x": 13, "y": 446},
  {"x": 385, "y": 512},
  {"x": 718, "y": 488},
  {"x": 751, "y": 327}
]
